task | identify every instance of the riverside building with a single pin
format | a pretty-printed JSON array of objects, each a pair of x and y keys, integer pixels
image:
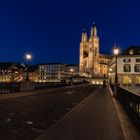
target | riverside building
[{"x": 128, "y": 66}]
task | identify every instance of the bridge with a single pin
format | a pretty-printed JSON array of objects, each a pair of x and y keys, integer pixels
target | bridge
[{"x": 74, "y": 112}]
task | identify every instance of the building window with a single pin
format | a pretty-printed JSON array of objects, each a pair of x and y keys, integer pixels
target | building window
[
  {"x": 85, "y": 54},
  {"x": 126, "y": 60},
  {"x": 126, "y": 80},
  {"x": 137, "y": 68},
  {"x": 131, "y": 52},
  {"x": 127, "y": 68},
  {"x": 138, "y": 60},
  {"x": 90, "y": 49},
  {"x": 137, "y": 80}
]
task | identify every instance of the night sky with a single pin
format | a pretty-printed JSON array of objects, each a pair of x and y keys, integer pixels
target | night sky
[{"x": 51, "y": 29}]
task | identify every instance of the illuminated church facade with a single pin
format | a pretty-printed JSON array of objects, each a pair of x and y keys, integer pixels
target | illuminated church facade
[{"x": 92, "y": 63}]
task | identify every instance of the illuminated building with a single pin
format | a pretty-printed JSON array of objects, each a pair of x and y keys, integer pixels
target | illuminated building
[
  {"x": 128, "y": 66},
  {"x": 74, "y": 68},
  {"x": 92, "y": 63},
  {"x": 32, "y": 73},
  {"x": 53, "y": 72},
  {"x": 10, "y": 72}
]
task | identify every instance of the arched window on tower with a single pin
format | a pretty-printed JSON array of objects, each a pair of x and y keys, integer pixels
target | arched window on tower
[{"x": 95, "y": 51}]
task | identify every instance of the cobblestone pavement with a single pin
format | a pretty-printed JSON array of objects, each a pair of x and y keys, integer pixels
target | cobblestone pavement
[{"x": 28, "y": 117}]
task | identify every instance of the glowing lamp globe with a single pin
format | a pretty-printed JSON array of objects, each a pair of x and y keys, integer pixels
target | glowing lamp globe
[
  {"x": 116, "y": 51},
  {"x": 28, "y": 57}
]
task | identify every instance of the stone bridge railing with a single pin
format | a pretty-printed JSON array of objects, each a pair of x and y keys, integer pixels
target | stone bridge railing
[{"x": 131, "y": 104}]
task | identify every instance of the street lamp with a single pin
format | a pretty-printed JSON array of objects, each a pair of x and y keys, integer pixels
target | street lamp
[
  {"x": 110, "y": 72},
  {"x": 72, "y": 70},
  {"x": 28, "y": 57},
  {"x": 116, "y": 52}
]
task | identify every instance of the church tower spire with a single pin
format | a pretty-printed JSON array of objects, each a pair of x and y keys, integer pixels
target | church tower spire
[
  {"x": 84, "y": 36},
  {"x": 93, "y": 31},
  {"x": 93, "y": 56},
  {"x": 92, "y": 63},
  {"x": 83, "y": 52}
]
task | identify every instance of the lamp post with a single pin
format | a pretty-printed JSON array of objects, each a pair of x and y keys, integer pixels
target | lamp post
[
  {"x": 28, "y": 58},
  {"x": 71, "y": 70},
  {"x": 110, "y": 72},
  {"x": 116, "y": 52}
]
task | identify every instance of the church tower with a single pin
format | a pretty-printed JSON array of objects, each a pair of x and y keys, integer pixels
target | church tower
[
  {"x": 89, "y": 53},
  {"x": 94, "y": 51},
  {"x": 83, "y": 50}
]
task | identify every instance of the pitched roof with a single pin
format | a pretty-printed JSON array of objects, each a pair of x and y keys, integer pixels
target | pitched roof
[
  {"x": 6, "y": 65},
  {"x": 134, "y": 49}
]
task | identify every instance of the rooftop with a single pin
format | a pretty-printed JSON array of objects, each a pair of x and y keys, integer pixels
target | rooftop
[{"x": 132, "y": 50}]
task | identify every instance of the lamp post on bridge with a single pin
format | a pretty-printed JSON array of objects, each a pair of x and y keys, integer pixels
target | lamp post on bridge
[
  {"x": 28, "y": 58},
  {"x": 116, "y": 53},
  {"x": 72, "y": 73},
  {"x": 110, "y": 72}
]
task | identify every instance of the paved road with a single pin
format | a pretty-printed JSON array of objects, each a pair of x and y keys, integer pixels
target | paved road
[
  {"x": 37, "y": 91},
  {"x": 25, "y": 117},
  {"x": 94, "y": 119}
]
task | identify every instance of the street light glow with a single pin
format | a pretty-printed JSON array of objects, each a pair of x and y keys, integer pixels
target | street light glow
[
  {"x": 28, "y": 56},
  {"x": 71, "y": 70},
  {"x": 116, "y": 51}
]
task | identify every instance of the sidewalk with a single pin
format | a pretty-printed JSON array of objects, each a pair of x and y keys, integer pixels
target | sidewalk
[{"x": 95, "y": 118}]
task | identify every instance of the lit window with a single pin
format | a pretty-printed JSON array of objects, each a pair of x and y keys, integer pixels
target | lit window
[
  {"x": 126, "y": 80},
  {"x": 131, "y": 52},
  {"x": 137, "y": 80}
]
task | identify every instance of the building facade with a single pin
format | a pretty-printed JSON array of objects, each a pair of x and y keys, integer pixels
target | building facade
[
  {"x": 54, "y": 72},
  {"x": 74, "y": 68},
  {"x": 128, "y": 67},
  {"x": 92, "y": 63},
  {"x": 10, "y": 72},
  {"x": 33, "y": 74}
]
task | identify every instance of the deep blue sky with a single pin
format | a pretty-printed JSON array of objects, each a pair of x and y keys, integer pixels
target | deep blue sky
[{"x": 51, "y": 29}]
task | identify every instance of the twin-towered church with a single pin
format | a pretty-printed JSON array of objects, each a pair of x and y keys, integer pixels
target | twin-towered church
[{"x": 92, "y": 63}]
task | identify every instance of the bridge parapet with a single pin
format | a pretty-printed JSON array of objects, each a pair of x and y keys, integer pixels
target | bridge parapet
[{"x": 131, "y": 104}]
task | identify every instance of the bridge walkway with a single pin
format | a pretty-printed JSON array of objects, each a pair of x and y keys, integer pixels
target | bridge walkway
[{"x": 95, "y": 118}]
